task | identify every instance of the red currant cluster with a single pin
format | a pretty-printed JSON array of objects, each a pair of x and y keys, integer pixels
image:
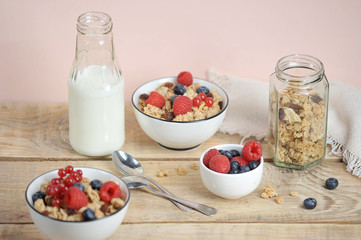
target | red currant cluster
[
  {"x": 59, "y": 186},
  {"x": 201, "y": 97}
]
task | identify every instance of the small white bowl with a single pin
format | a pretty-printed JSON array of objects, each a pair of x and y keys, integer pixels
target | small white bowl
[
  {"x": 230, "y": 186},
  {"x": 58, "y": 229},
  {"x": 178, "y": 135}
]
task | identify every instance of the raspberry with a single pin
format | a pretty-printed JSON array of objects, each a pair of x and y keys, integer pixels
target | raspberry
[
  {"x": 220, "y": 163},
  {"x": 155, "y": 99},
  {"x": 109, "y": 190},
  {"x": 208, "y": 156},
  {"x": 240, "y": 160},
  {"x": 75, "y": 198},
  {"x": 185, "y": 78},
  {"x": 182, "y": 105},
  {"x": 252, "y": 151}
]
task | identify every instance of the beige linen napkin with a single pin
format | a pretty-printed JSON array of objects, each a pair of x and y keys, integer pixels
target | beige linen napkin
[{"x": 248, "y": 115}]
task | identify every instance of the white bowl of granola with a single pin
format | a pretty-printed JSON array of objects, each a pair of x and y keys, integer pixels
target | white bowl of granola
[
  {"x": 182, "y": 131},
  {"x": 69, "y": 224}
]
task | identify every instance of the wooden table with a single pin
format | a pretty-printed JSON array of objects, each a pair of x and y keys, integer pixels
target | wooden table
[{"x": 34, "y": 139}]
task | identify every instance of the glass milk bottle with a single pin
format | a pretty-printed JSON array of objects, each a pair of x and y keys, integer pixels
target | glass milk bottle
[
  {"x": 298, "y": 107},
  {"x": 96, "y": 89}
]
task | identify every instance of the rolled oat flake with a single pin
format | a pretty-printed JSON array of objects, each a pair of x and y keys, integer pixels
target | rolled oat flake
[{"x": 298, "y": 109}]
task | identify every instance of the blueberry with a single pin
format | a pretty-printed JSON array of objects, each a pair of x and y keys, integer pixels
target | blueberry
[
  {"x": 331, "y": 183},
  {"x": 234, "y": 165},
  {"x": 235, "y": 153},
  {"x": 88, "y": 215},
  {"x": 38, "y": 195},
  {"x": 173, "y": 98},
  {"x": 179, "y": 89},
  {"x": 309, "y": 203},
  {"x": 233, "y": 171},
  {"x": 227, "y": 153},
  {"x": 96, "y": 184},
  {"x": 79, "y": 185},
  {"x": 244, "y": 168},
  {"x": 203, "y": 89},
  {"x": 220, "y": 151},
  {"x": 253, "y": 164}
]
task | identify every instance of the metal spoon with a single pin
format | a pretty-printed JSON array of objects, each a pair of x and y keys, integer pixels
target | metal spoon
[
  {"x": 140, "y": 181},
  {"x": 128, "y": 165}
]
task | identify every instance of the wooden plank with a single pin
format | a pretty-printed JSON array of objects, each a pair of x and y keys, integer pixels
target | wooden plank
[
  {"x": 342, "y": 205},
  {"x": 210, "y": 231},
  {"x": 39, "y": 131}
]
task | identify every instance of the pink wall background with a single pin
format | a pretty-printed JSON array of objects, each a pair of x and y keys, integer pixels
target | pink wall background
[{"x": 163, "y": 37}]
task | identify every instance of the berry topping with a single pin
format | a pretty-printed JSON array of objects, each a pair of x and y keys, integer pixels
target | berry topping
[
  {"x": 252, "y": 151},
  {"x": 253, "y": 164},
  {"x": 309, "y": 203},
  {"x": 56, "y": 181},
  {"x": 220, "y": 163},
  {"x": 172, "y": 99},
  {"x": 233, "y": 171},
  {"x": 55, "y": 202},
  {"x": 235, "y": 153},
  {"x": 208, "y": 156},
  {"x": 244, "y": 168},
  {"x": 38, "y": 195},
  {"x": 155, "y": 99},
  {"x": 88, "y": 215},
  {"x": 62, "y": 173},
  {"x": 185, "y": 78},
  {"x": 196, "y": 101},
  {"x": 209, "y": 102},
  {"x": 182, "y": 105},
  {"x": 202, "y": 96},
  {"x": 228, "y": 154},
  {"x": 75, "y": 198},
  {"x": 79, "y": 185},
  {"x": 69, "y": 169},
  {"x": 109, "y": 190},
  {"x": 203, "y": 89},
  {"x": 179, "y": 89},
  {"x": 240, "y": 160},
  {"x": 235, "y": 165},
  {"x": 331, "y": 183},
  {"x": 96, "y": 184},
  {"x": 69, "y": 181},
  {"x": 52, "y": 190}
]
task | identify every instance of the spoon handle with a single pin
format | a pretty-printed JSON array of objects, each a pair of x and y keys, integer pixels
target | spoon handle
[
  {"x": 163, "y": 189},
  {"x": 209, "y": 211}
]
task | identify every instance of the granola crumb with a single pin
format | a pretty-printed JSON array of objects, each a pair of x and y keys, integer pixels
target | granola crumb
[
  {"x": 269, "y": 192},
  {"x": 181, "y": 171},
  {"x": 279, "y": 200},
  {"x": 195, "y": 166},
  {"x": 294, "y": 194},
  {"x": 162, "y": 173}
]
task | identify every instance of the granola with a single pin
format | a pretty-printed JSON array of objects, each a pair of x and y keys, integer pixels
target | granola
[
  {"x": 300, "y": 120},
  {"x": 100, "y": 208},
  {"x": 166, "y": 112}
]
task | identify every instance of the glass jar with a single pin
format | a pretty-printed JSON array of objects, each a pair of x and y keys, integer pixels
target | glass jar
[
  {"x": 298, "y": 109},
  {"x": 96, "y": 89}
]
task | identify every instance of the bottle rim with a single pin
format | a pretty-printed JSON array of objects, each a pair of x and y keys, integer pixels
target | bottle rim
[
  {"x": 299, "y": 61},
  {"x": 94, "y": 23}
]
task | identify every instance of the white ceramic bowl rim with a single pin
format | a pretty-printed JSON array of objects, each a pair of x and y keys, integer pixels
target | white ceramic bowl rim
[
  {"x": 77, "y": 222},
  {"x": 225, "y": 174},
  {"x": 176, "y": 122}
]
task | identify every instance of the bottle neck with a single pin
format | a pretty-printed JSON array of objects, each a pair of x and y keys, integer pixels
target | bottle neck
[
  {"x": 95, "y": 38},
  {"x": 299, "y": 69}
]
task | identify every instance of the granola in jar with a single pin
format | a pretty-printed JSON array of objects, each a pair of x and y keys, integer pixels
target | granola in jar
[{"x": 298, "y": 117}]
